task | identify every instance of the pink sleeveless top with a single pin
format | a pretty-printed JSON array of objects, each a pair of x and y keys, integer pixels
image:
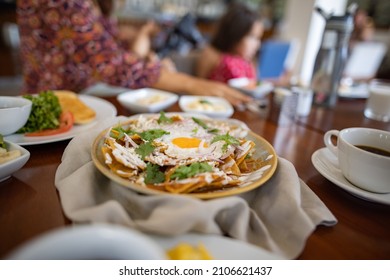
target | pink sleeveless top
[{"x": 231, "y": 67}]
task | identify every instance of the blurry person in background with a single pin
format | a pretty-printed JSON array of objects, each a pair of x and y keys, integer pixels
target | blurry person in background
[
  {"x": 233, "y": 47},
  {"x": 65, "y": 45},
  {"x": 364, "y": 27}
]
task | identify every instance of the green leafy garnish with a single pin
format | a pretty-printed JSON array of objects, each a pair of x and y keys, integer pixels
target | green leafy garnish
[
  {"x": 204, "y": 101},
  {"x": 164, "y": 119},
  {"x": 191, "y": 170},
  {"x": 202, "y": 124},
  {"x": 150, "y": 135},
  {"x": 153, "y": 174},
  {"x": 145, "y": 149},
  {"x": 213, "y": 130},
  {"x": 45, "y": 112},
  {"x": 2, "y": 143},
  {"x": 121, "y": 132},
  {"x": 229, "y": 140}
]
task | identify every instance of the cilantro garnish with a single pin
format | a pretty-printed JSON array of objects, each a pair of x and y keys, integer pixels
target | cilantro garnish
[
  {"x": 229, "y": 140},
  {"x": 150, "y": 135},
  {"x": 164, "y": 119},
  {"x": 204, "y": 101},
  {"x": 118, "y": 132},
  {"x": 191, "y": 170},
  {"x": 153, "y": 174},
  {"x": 145, "y": 149},
  {"x": 2, "y": 143},
  {"x": 202, "y": 124}
]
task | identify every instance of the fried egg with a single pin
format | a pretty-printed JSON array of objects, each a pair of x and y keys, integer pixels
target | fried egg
[{"x": 181, "y": 146}]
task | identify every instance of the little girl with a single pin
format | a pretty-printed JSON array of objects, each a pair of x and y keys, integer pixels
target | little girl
[{"x": 233, "y": 47}]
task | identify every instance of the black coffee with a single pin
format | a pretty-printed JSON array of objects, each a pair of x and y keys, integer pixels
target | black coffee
[{"x": 374, "y": 150}]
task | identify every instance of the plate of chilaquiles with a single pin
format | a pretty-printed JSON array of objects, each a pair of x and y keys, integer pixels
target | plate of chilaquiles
[{"x": 180, "y": 153}]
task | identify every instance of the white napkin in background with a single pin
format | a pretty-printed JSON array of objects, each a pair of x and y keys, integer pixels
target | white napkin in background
[{"x": 278, "y": 216}]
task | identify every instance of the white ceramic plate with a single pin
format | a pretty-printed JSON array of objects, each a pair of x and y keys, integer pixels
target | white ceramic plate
[
  {"x": 9, "y": 167},
  {"x": 147, "y": 100},
  {"x": 103, "y": 109},
  {"x": 219, "y": 247},
  {"x": 214, "y": 107},
  {"x": 356, "y": 91},
  {"x": 326, "y": 163},
  {"x": 90, "y": 242}
]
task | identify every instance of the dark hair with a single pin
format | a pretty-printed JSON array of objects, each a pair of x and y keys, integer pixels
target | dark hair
[
  {"x": 233, "y": 26},
  {"x": 106, "y": 6}
]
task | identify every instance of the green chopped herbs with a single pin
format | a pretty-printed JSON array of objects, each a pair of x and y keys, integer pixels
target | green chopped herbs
[
  {"x": 121, "y": 132},
  {"x": 229, "y": 140},
  {"x": 45, "y": 112},
  {"x": 204, "y": 101},
  {"x": 150, "y": 135},
  {"x": 145, "y": 149},
  {"x": 163, "y": 118},
  {"x": 2, "y": 143},
  {"x": 191, "y": 170},
  {"x": 202, "y": 124},
  {"x": 153, "y": 174}
]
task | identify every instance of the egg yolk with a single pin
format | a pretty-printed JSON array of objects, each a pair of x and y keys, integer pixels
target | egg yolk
[{"x": 186, "y": 142}]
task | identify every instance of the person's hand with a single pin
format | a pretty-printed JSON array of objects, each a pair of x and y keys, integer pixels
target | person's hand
[
  {"x": 142, "y": 42},
  {"x": 184, "y": 83},
  {"x": 206, "y": 87},
  {"x": 168, "y": 65}
]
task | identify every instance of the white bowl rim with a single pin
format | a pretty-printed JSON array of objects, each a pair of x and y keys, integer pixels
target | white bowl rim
[
  {"x": 223, "y": 114},
  {"x": 131, "y": 103},
  {"x": 20, "y": 102}
]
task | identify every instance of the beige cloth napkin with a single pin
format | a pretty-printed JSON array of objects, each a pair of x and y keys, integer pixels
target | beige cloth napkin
[{"x": 278, "y": 216}]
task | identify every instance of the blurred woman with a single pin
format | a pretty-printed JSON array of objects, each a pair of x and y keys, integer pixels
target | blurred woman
[
  {"x": 65, "y": 45},
  {"x": 233, "y": 47}
]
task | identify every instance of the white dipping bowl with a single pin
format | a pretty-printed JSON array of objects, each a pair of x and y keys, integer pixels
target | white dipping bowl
[
  {"x": 147, "y": 100},
  {"x": 9, "y": 167},
  {"x": 14, "y": 113}
]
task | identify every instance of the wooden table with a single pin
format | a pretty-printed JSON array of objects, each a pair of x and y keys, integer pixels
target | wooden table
[{"x": 30, "y": 205}]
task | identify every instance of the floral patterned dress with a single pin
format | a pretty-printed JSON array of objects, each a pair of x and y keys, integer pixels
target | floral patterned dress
[
  {"x": 232, "y": 66},
  {"x": 68, "y": 44}
]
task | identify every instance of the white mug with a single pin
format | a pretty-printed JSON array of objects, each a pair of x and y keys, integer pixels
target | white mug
[
  {"x": 365, "y": 169},
  {"x": 378, "y": 102}
]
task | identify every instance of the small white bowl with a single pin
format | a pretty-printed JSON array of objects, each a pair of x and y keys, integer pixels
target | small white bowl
[
  {"x": 90, "y": 242},
  {"x": 9, "y": 167},
  {"x": 14, "y": 113},
  {"x": 260, "y": 91},
  {"x": 147, "y": 100},
  {"x": 212, "y": 106}
]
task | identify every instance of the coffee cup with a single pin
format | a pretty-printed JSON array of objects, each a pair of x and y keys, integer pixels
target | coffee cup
[
  {"x": 363, "y": 155},
  {"x": 378, "y": 102}
]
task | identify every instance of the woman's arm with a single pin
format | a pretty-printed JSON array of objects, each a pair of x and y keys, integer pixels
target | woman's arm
[
  {"x": 183, "y": 83},
  {"x": 208, "y": 60}
]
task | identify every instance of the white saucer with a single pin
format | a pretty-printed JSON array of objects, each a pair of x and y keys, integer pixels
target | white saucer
[{"x": 326, "y": 163}]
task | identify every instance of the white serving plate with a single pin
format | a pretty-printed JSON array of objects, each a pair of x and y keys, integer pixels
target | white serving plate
[
  {"x": 223, "y": 109},
  {"x": 219, "y": 247},
  {"x": 103, "y": 109},
  {"x": 9, "y": 167},
  {"x": 90, "y": 242},
  {"x": 147, "y": 100}
]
